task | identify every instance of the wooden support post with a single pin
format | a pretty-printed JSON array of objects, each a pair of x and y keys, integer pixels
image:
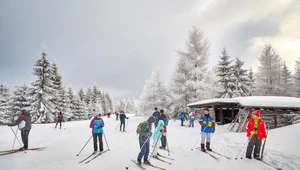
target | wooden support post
[
  {"x": 221, "y": 112},
  {"x": 232, "y": 114},
  {"x": 275, "y": 118}
]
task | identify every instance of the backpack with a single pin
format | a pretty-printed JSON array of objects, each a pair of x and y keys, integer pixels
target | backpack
[{"x": 139, "y": 127}]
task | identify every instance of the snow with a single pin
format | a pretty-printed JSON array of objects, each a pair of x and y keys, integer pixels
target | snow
[
  {"x": 257, "y": 101},
  {"x": 282, "y": 148}
]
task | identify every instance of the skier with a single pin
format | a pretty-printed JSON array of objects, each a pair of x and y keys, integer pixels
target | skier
[
  {"x": 256, "y": 131},
  {"x": 24, "y": 124},
  {"x": 207, "y": 127},
  {"x": 97, "y": 125},
  {"x": 122, "y": 119},
  {"x": 164, "y": 118},
  {"x": 144, "y": 140},
  {"x": 158, "y": 133},
  {"x": 117, "y": 116},
  {"x": 192, "y": 119},
  {"x": 182, "y": 117},
  {"x": 60, "y": 118},
  {"x": 156, "y": 115}
]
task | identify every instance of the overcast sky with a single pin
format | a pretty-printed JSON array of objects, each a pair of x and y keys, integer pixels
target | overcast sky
[{"x": 116, "y": 44}]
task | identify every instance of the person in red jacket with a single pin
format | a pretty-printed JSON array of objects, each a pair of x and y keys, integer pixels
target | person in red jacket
[
  {"x": 60, "y": 118},
  {"x": 256, "y": 131}
]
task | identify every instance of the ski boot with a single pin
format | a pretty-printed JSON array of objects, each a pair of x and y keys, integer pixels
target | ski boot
[
  {"x": 202, "y": 147},
  {"x": 208, "y": 146},
  {"x": 147, "y": 162}
]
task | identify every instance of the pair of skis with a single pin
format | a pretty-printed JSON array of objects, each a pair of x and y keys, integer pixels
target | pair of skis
[
  {"x": 143, "y": 168},
  {"x": 87, "y": 160},
  {"x": 7, "y": 152},
  {"x": 213, "y": 156}
]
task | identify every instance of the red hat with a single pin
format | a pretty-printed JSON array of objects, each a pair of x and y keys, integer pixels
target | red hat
[{"x": 256, "y": 113}]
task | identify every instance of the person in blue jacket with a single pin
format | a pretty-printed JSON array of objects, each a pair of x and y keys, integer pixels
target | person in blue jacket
[
  {"x": 97, "y": 125},
  {"x": 207, "y": 128},
  {"x": 158, "y": 133},
  {"x": 182, "y": 117}
]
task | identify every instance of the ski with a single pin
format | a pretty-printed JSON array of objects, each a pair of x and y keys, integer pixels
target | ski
[
  {"x": 211, "y": 155},
  {"x": 162, "y": 160},
  {"x": 269, "y": 164},
  {"x": 96, "y": 156},
  {"x": 217, "y": 153},
  {"x": 86, "y": 158},
  {"x": 16, "y": 151},
  {"x": 157, "y": 167},
  {"x": 9, "y": 150},
  {"x": 165, "y": 157},
  {"x": 141, "y": 166}
]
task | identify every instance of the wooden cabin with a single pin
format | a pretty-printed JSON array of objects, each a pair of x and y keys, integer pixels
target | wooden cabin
[{"x": 274, "y": 110}]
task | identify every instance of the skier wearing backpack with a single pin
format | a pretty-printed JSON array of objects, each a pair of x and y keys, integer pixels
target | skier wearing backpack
[
  {"x": 156, "y": 114},
  {"x": 97, "y": 125},
  {"x": 207, "y": 128},
  {"x": 122, "y": 120},
  {"x": 60, "y": 118},
  {"x": 256, "y": 132},
  {"x": 144, "y": 139},
  {"x": 24, "y": 124},
  {"x": 158, "y": 133}
]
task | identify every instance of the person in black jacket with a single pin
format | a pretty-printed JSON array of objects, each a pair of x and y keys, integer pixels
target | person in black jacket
[
  {"x": 24, "y": 124},
  {"x": 122, "y": 119},
  {"x": 156, "y": 115}
]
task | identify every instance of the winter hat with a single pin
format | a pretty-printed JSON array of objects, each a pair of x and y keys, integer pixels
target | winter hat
[
  {"x": 206, "y": 109},
  {"x": 151, "y": 119},
  {"x": 256, "y": 113},
  {"x": 96, "y": 114}
]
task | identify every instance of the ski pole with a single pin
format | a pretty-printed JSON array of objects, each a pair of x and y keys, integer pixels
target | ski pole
[
  {"x": 106, "y": 141},
  {"x": 85, "y": 145},
  {"x": 168, "y": 146},
  {"x": 242, "y": 150},
  {"x": 117, "y": 126},
  {"x": 127, "y": 167},
  {"x": 198, "y": 139},
  {"x": 16, "y": 137},
  {"x": 155, "y": 146},
  {"x": 127, "y": 124}
]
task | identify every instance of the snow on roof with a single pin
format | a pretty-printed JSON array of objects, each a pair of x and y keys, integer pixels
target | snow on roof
[{"x": 254, "y": 101}]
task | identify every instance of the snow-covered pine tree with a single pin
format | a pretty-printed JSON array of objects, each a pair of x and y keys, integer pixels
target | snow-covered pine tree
[
  {"x": 224, "y": 72},
  {"x": 57, "y": 87},
  {"x": 21, "y": 99},
  {"x": 81, "y": 94},
  {"x": 269, "y": 70},
  {"x": 297, "y": 79},
  {"x": 79, "y": 111},
  {"x": 251, "y": 82},
  {"x": 5, "y": 106},
  {"x": 43, "y": 92},
  {"x": 104, "y": 102},
  {"x": 153, "y": 94},
  {"x": 187, "y": 84},
  {"x": 286, "y": 81},
  {"x": 110, "y": 103},
  {"x": 240, "y": 80},
  {"x": 71, "y": 105}
]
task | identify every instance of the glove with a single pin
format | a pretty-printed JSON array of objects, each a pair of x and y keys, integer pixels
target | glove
[
  {"x": 150, "y": 134},
  {"x": 127, "y": 117},
  {"x": 264, "y": 139},
  {"x": 10, "y": 125},
  {"x": 163, "y": 130},
  {"x": 252, "y": 133},
  {"x": 213, "y": 131}
]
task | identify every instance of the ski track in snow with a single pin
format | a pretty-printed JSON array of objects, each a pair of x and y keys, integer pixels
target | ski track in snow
[{"x": 64, "y": 144}]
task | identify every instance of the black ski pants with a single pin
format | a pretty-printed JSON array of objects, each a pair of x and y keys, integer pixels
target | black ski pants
[
  {"x": 99, "y": 136},
  {"x": 24, "y": 135},
  {"x": 58, "y": 121},
  {"x": 254, "y": 142},
  {"x": 122, "y": 124}
]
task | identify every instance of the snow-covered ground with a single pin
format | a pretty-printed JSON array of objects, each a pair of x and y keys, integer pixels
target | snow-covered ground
[{"x": 282, "y": 148}]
